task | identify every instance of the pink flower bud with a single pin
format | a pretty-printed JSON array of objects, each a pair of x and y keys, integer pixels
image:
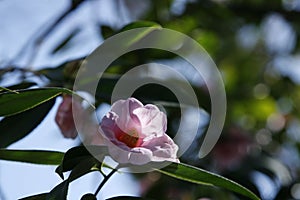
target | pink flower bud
[
  {"x": 136, "y": 133},
  {"x": 64, "y": 117}
]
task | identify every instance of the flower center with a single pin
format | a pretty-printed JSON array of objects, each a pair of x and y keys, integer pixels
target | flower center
[{"x": 130, "y": 138}]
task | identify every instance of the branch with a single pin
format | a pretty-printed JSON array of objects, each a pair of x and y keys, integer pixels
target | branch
[
  {"x": 38, "y": 40},
  {"x": 106, "y": 178}
]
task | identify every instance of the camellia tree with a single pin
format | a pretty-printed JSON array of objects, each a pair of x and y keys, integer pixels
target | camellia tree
[
  {"x": 130, "y": 133},
  {"x": 254, "y": 45}
]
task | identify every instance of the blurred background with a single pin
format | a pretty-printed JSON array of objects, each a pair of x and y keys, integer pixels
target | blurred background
[{"x": 254, "y": 43}]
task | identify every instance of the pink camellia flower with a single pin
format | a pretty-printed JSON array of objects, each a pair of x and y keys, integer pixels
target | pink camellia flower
[{"x": 136, "y": 133}]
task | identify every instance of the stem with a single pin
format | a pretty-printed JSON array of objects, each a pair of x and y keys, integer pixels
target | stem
[{"x": 105, "y": 180}]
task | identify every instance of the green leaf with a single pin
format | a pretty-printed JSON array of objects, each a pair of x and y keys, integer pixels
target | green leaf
[
  {"x": 79, "y": 167},
  {"x": 13, "y": 103},
  {"x": 84, "y": 167},
  {"x": 56, "y": 75},
  {"x": 88, "y": 197},
  {"x": 75, "y": 155},
  {"x": 150, "y": 93},
  {"x": 65, "y": 44},
  {"x": 199, "y": 176},
  {"x": 18, "y": 86},
  {"x": 62, "y": 73},
  {"x": 140, "y": 24},
  {"x": 27, "y": 121},
  {"x": 106, "y": 32},
  {"x": 32, "y": 156},
  {"x": 36, "y": 197},
  {"x": 80, "y": 161},
  {"x": 60, "y": 192},
  {"x": 148, "y": 28},
  {"x": 7, "y": 90}
]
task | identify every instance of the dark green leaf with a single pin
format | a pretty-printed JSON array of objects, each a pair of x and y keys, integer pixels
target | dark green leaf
[
  {"x": 63, "y": 72},
  {"x": 27, "y": 121},
  {"x": 150, "y": 93},
  {"x": 81, "y": 162},
  {"x": 106, "y": 32},
  {"x": 75, "y": 155},
  {"x": 88, "y": 197},
  {"x": 32, "y": 156},
  {"x": 36, "y": 197},
  {"x": 64, "y": 44},
  {"x": 199, "y": 176},
  {"x": 85, "y": 166},
  {"x": 60, "y": 192},
  {"x": 54, "y": 74},
  {"x": 13, "y": 103}
]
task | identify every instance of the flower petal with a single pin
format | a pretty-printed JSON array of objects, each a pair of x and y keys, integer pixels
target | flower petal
[
  {"x": 153, "y": 121},
  {"x": 163, "y": 148},
  {"x": 108, "y": 124},
  {"x": 127, "y": 120},
  {"x": 140, "y": 156}
]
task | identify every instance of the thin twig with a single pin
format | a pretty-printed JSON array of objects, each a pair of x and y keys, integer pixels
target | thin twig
[
  {"x": 105, "y": 180},
  {"x": 37, "y": 41}
]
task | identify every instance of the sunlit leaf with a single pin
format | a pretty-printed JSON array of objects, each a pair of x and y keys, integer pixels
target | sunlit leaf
[
  {"x": 185, "y": 24},
  {"x": 140, "y": 24},
  {"x": 142, "y": 33},
  {"x": 7, "y": 90},
  {"x": 19, "y": 86},
  {"x": 13, "y": 103},
  {"x": 199, "y": 176},
  {"x": 32, "y": 156}
]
